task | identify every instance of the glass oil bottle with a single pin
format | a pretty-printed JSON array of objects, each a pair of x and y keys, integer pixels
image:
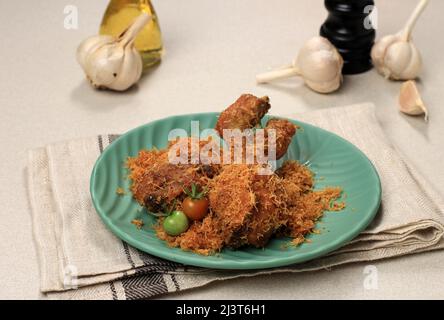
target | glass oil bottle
[{"x": 120, "y": 14}]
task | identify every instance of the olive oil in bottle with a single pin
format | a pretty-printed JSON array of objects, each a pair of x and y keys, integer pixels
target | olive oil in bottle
[{"x": 121, "y": 13}]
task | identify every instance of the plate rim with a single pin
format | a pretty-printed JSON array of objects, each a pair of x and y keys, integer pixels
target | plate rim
[{"x": 198, "y": 260}]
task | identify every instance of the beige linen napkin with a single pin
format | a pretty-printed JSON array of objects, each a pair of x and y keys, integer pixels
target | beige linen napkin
[{"x": 80, "y": 259}]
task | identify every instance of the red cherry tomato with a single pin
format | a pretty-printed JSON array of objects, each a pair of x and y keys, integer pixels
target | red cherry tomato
[{"x": 195, "y": 209}]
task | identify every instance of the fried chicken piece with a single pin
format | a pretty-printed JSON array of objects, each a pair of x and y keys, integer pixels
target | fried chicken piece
[
  {"x": 156, "y": 182},
  {"x": 278, "y": 203},
  {"x": 285, "y": 130},
  {"x": 163, "y": 183},
  {"x": 258, "y": 148},
  {"x": 268, "y": 215},
  {"x": 232, "y": 199},
  {"x": 245, "y": 113}
]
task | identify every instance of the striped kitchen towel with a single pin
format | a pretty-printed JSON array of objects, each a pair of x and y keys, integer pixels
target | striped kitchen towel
[{"x": 81, "y": 259}]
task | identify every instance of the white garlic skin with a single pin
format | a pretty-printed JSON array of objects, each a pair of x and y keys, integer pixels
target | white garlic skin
[
  {"x": 320, "y": 64},
  {"x": 109, "y": 65},
  {"x": 90, "y": 45},
  {"x": 404, "y": 60},
  {"x": 113, "y": 63},
  {"x": 378, "y": 53},
  {"x": 396, "y": 58}
]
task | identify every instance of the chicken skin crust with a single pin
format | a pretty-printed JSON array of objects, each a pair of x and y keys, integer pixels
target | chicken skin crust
[
  {"x": 245, "y": 113},
  {"x": 285, "y": 130}
]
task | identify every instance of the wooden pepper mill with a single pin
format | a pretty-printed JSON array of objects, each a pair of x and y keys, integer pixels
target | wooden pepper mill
[{"x": 349, "y": 29}]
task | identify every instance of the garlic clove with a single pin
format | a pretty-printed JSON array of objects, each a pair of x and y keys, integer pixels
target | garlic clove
[
  {"x": 410, "y": 101},
  {"x": 379, "y": 51},
  {"x": 104, "y": 65},
  {"x": 403, "y": 60},
  {"x": 130, "y": 73},
  {"x": 413, "y": 69},
  {"x": 90, "y": 45}
]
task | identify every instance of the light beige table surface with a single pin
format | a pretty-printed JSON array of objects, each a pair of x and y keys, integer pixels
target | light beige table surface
[{"x": 213, "y": 51}]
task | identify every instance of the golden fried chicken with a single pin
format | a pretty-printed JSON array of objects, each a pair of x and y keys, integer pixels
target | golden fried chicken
[
  {"x": 284, "y": 130},
  {"x": 269, "y": 212},
  {"x": 245, "y": 113},
  {"x": 251, "y": 222},
  {"x": 157, "y": 182},
  {"x": 232, "y": 198}
]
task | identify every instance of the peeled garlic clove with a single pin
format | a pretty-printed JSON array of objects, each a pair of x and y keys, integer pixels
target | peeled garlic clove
[
  {"x": 113, "y": 63},
  {"x": 318, "y": 63},
  {"x": 410, "y": 101}
]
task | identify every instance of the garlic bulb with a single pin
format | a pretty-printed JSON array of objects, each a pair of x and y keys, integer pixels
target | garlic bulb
[
  {"x": 318, "y": 63},
  {"x": 113, "y": 63},
  {"x": 395, "y": 56},
  {"x": 410, "y": 101}
]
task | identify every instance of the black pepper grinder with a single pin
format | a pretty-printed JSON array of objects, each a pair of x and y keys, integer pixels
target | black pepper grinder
[{"x": 349, "y": 29}]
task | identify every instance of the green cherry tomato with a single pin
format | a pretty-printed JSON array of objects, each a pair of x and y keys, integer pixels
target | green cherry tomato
[{"x": 176, "y": 223}]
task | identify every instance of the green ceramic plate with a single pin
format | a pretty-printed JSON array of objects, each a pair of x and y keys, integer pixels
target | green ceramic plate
[{"x": 335, "y": 162}]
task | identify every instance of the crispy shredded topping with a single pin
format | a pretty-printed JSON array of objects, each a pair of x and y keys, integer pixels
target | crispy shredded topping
[
  {"x": 245, "y": 208},
  {"x": 138, "y": 223}
]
